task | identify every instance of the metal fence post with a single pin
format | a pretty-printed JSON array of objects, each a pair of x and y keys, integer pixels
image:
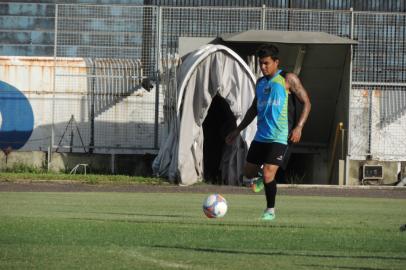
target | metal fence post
[
  {"x": 92, "y": 107},
  {"x": 349, "y": 120},
  {"x": 370, "y": 94},
  {"x": 263, "y": 17},
  {"x": 52, "y": 139},
  {"x": 158, "y": 70}
]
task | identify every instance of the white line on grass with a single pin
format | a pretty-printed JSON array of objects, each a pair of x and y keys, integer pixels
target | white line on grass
[{"x": 162, "y": 263}]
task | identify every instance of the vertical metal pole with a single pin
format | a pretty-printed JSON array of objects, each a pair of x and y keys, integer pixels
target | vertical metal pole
[
  {"x": 349, "y": 120},
  {"x": 147, "y": 36},
  {"x": 342, "y": 141},
  {"x": 113, "y": 163},
  {"x": 263, "y": 17},
  {"x": 404, "y": 42},
  {"x": 369, "y": 121},
  {"x": 91, "y": 144},
  {"x": 49, "y": 158},
  {"x": 288, "y": 15},
  {"x": 52, "y": 139},
  {"x": 157, "y": 65}
]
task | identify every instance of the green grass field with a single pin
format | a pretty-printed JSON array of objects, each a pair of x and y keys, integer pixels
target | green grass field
[
  {"x": 16, "y": 176},
  {"x": 169, "y": 231}
]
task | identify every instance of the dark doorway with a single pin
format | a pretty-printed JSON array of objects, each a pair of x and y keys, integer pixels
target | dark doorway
[
  {"x": 219, "y": 121},
  {"x": 296, "y": 170}
]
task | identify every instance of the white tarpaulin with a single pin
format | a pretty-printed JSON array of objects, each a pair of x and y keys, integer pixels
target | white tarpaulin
[{"x": 212, "y": 70}]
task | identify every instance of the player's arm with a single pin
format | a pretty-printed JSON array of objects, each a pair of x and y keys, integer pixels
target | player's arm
[
  {"x": 296, "y": 87},
  {"x": 248, "y": 118}
]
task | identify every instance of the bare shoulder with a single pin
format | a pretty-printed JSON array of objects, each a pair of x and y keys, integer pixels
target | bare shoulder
[
  {"x": 291, "y": 76},
  {"x": 292, "y": 79},
  {"x": 293, "y": 83}
]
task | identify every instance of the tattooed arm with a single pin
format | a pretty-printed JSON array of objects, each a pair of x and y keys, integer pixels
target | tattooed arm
[{"x": 294, "y": 85}]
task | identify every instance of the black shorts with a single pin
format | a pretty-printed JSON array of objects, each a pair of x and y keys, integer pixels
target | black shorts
[{"x": 269, "y": 153}]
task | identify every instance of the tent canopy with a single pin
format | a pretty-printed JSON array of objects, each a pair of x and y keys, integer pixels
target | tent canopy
[{"x": 209, "y": 72}]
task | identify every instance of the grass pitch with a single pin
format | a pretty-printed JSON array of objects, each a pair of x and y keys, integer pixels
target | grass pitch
[{"x": 169, "y": 231}]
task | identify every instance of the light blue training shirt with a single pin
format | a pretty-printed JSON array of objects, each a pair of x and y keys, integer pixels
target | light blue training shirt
[{"x": 272, "y": 108}]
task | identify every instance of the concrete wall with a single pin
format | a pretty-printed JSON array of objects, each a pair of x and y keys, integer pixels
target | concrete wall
[
  {"x": 139, "y": 165},
  {"x": 33, "y": 159},
  {"x": 390, "y": 171},
  {"x": 387, "y": 141}
]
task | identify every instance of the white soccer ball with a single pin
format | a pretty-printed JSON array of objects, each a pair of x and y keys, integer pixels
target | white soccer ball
[{"x": 215, "y": 206}]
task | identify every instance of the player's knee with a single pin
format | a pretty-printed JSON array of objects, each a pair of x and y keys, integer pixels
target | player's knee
[
  {"x": 269, "y": 173},
  {"x": 269, "y": 177}
]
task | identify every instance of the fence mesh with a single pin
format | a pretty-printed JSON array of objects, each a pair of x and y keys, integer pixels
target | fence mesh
[
  {"x": 380, "y": 53},
  {"x": 378, "y": 125},
  {"x": 125, "y": 116},
  {"x": 332, "y": 22},
  {"x": 111, "y": 102},
  {"x": 205, "y": 22},
  {"x": 107, "y": 32}
]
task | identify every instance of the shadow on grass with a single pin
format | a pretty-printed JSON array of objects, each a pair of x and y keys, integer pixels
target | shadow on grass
[
  {"x": 311, "y": 266},
  {"x": 281, "y": 253},
  {"x": 263, "y": 224},
  {"x": 142, "y": 215},
  {"x": 209, "y": 222},
  {"x": 128, "y": 214}
]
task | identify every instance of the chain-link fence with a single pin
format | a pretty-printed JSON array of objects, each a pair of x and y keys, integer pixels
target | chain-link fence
[
  {"x": 107, "y": 96},
  {"x": 378, "y": 125},
  {"x": 380, "y": 54},
  {"x": 378, "y": 105},
  {"x": 205, "y": 22},
  {"x": 122, "y": 46}
]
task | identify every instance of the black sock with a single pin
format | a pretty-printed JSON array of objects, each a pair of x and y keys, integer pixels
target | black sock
[{"x": 270, "y": 193}]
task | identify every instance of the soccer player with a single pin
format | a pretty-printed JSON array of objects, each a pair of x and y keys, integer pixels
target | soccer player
[{"x": 270, "y": 106}]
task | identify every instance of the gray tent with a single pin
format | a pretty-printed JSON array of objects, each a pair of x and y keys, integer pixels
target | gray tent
[{"x": 211, "y": 74}]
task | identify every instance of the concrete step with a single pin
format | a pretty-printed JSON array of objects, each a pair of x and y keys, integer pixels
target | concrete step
[
  {"x": 47, "y": 38},
  {"x": 26, "y": 23},
  {"x": 27, "y": 37},
  {"x": 27, "y": 9},
  {"x": 26, "y": 50}
]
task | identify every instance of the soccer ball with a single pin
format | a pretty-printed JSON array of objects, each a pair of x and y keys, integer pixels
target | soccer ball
[{"x": 215, "y": 206}]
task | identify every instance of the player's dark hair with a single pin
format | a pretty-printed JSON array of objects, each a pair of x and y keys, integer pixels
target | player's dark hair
[{"x": 268, "y": 50}]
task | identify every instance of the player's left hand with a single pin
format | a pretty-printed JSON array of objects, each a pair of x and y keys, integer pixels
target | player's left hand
[{"x": 296, "y": 135}]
